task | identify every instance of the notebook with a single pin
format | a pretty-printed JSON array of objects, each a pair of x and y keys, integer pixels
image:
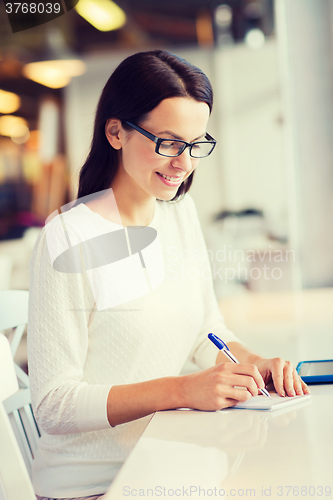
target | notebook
[{"x": 269, "y": 404}]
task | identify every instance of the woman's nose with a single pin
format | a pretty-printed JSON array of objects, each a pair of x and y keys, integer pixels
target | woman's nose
[{"x": 184, "y": 161}]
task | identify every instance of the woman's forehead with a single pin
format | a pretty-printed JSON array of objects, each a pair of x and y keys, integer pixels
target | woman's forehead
[{"x": 180, "y": 115}]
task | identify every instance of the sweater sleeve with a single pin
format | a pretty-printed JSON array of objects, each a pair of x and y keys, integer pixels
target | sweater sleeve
[
  {"x": 60, "y": 304},
  {"x": 204, "y": 352}
]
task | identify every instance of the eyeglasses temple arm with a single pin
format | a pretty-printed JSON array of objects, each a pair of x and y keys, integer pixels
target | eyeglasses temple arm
[{"x": 144, "y": 132}]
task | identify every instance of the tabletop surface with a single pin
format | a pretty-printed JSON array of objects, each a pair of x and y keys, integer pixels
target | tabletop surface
[
  {"x": 196, "y": 454},
  {"x": 285, "y": 453}
]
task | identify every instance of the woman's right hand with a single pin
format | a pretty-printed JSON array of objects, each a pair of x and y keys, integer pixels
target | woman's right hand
[
  {"x": 220, "y": 386},
  {"x": 210, "y": 390}
]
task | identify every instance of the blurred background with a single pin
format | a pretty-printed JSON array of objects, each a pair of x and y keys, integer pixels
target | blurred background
[{"x": 264, "y": 198}]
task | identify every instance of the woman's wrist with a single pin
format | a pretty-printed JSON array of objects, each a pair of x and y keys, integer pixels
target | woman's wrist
[
  {"x": 254, "y": 359},
  {"x": 171, "y": 393},
  {"x": 180, "y": 394},
  {"x": 243, "y": 354},
  {"x": 132, "y": 401}
]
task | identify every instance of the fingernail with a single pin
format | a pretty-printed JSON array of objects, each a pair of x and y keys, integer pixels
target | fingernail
[
  {"x": 293, "y": 392},
  {"x": 283, "y": 393}
]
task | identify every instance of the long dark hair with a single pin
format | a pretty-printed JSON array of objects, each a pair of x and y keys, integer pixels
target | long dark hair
[{"x": 133, "y": 90}]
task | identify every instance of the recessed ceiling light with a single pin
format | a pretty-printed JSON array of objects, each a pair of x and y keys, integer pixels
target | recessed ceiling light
[
  {"x": 54, "y": 74},
  {"x": 9, "y": 102},
  {"x": 13, "y": 126},
  {"x": 57, "y": 65},
  {"x": 104, "y": 15}
]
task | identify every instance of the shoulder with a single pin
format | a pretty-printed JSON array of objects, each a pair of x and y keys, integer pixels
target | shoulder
[{"x": 61, "y": 231}]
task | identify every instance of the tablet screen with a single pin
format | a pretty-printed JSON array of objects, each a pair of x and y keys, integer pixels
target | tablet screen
[{"x": 311, "y": 369}]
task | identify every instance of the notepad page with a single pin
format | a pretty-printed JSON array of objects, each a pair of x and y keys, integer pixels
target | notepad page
[{"x": 269, "y": 404}]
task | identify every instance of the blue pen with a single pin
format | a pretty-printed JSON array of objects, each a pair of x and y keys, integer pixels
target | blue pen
[{"x": 225, "y": 349}]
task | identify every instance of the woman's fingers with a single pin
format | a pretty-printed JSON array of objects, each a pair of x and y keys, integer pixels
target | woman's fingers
[
  {"x": 253, "y": 379},
  {"x": 301, "y": 387},
  {"x": 221, "y": 386},
  {"x": 305, "y": 388},
  {"x": 245, "y": 381},
  {"x": 298, "y": 383},
  {"x": 239, "y": 382},
  {"x": 286, "y": 380},
  {"x": 288, "y": 376},
  {"x": 276, "y": 368}
]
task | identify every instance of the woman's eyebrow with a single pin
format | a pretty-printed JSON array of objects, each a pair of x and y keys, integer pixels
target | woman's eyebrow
[{"x": 175, "y": 136}]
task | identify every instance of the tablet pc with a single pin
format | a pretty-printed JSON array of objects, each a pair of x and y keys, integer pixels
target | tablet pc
[{"x": 316, "y": 371}]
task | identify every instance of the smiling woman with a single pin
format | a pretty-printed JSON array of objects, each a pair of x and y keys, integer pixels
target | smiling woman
[
  {"x": 98, "y": 371},
  {"x": 139, "y": 84},
  {"x": 142, "y": 175}
]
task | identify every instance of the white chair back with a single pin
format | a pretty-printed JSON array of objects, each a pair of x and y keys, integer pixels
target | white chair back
[
  {"x": 14, "y": 316},
  {"x": 14, "y": 477},
  {"x": 9, "y": 384}
]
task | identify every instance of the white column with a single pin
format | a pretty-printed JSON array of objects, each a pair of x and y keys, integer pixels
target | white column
[{"x": 304, "y": 30}]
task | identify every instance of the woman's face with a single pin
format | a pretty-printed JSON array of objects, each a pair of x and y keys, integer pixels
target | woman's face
[{"x": 141, "y": 169}]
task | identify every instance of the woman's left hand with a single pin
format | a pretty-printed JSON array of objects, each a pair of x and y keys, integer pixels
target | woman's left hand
[{"x": 283, "y": 376}]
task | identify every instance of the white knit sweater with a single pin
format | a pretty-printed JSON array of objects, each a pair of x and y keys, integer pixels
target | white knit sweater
[{"x": 77, "y": 351}]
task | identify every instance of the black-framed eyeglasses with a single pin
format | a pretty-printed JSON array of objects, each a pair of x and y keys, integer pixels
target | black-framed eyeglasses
[{"x": 175, "y": 147}]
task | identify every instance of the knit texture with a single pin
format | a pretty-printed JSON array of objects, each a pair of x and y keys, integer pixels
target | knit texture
[{"x": 77, "y": 352}]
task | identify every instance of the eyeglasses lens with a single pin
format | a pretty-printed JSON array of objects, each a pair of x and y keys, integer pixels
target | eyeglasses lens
[
  {"x": 175, "y": 148},
  {"x": 201, "y": 149}
]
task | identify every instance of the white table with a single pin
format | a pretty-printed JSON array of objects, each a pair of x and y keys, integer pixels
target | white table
[
  {"x": 236, "y": 453},
  {"x": 242, "y": 453}
]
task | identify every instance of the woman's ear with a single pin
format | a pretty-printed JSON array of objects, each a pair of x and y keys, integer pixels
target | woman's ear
[{"x": 112, "y": 132}]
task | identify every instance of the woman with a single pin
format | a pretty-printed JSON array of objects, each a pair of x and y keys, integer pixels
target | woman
[{"x": 97, "y": 371}]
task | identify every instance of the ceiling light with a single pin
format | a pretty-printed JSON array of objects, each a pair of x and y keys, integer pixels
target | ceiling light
[
  {"x": 21, "y": 134},
  {"x": 54, "y": 74},
  {"x": 9, "y": 102},
  {"x": 223, "y": 15},
  {"x": 13, "y": 126},
  {"x": 104, "y": 15},
  {"x": 57, "y": 66},
  {"x": 255, "y": 38}
]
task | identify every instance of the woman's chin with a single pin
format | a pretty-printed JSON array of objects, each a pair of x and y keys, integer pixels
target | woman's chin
[{"x": 166, "y": 196}]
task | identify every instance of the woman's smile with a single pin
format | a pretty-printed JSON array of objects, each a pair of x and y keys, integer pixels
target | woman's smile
[{"x": 171, "y": 181}]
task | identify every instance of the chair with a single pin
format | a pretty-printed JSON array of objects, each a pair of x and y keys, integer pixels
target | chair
[
  {"x": 14, "y": 476},
  {"x": 14, "y": 315}
]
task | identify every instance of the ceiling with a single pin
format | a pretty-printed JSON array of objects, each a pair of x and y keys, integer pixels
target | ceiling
[{"x": 150, "y": 23}]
